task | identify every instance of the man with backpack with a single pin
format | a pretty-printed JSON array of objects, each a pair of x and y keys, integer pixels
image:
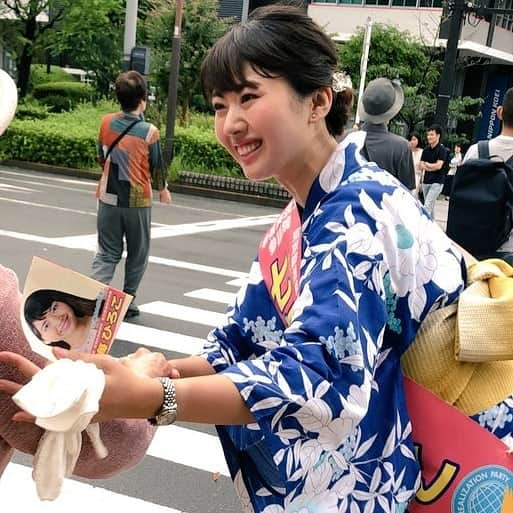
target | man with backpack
[{"x": 480, "y": 216}]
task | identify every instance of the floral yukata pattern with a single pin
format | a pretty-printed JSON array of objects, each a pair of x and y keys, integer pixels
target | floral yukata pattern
[{"x": 332, "y": 433}]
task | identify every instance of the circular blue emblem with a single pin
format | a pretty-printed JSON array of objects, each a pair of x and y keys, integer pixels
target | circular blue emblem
[{"x": 482, "y": 490}]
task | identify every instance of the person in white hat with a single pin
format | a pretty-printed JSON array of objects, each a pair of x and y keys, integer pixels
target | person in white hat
[{"x": 381, "y": 101}]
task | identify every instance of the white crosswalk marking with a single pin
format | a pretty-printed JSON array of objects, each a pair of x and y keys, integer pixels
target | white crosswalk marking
[
  {"x": 166, "y": 340},
  {"x": 217, "y": 296},
  {"x": 75, "y": 496},
  {"x": 237, "y": 282},
  {"x": 190, "y": 448},
  {"x": 183, "y": 313}
]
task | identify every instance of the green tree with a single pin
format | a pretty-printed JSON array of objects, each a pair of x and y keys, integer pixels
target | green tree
[
  {"x": 88, "y": 30},
  {"x": 201, "y": 27},
  {"x": 91, "y": 36},
  {"x": 31, "y": 19},
  {"x": 397, "y": 54}
]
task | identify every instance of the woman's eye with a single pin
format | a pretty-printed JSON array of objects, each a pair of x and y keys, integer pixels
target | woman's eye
[
  {"x": 247, "y": 97},
  {"x": 218, "y": 106},
  {"x": 54, "y": 307}
]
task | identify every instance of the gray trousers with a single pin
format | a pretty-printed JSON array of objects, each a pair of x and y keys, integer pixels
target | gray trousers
[
  {"x": 431, "y": 192},
  {"x": 114, "y": 224}
]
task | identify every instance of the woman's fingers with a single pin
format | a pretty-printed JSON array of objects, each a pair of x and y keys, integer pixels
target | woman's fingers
[
  {"x": 25, "y": 366},
  {"x": 102, "y": 361},
  {"x": 9, "y": 386},
  {"x": 23, "y": 416}
]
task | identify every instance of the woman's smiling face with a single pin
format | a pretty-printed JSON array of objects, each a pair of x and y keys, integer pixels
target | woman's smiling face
[
  {"x": 264, "y": 126},
  {"x": 58, "y": 322}
]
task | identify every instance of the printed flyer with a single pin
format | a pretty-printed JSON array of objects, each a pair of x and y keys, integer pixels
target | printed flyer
[{"x": 61, "y": 307}]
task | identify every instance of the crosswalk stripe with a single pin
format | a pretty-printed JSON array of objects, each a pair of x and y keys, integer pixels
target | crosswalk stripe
[
  {"x": 183, "y": 313},
  {"x": 161, "y": 339},
  {"x": 210, "y": 226},
  {"x": 237, "y": 282},
  {"x": 88, "y": 243},
  {"x": 217, "y": 296},
  {"x": 75, "y": 496},
  {"x": 189, "y": 447}
]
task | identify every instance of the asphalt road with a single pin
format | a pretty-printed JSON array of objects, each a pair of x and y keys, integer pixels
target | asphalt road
[{"x": 201, "y": 248}]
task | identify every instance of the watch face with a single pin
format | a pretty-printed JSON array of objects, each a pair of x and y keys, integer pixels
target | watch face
[{"x": 166, "y": 418}]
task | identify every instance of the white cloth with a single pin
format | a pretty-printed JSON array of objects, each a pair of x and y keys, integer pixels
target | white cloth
[{"x": 64, "y": 397}]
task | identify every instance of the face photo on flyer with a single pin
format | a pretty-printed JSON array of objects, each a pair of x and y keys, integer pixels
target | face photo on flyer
[{"x": 63, "y": 308}]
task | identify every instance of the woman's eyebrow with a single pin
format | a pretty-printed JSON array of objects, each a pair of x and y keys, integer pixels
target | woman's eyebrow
[{"x": 248, "y": 84}]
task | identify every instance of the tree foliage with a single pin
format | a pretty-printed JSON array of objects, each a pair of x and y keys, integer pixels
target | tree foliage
[
  {"x": 88, "y": 31},
  {"x": 201, "y": 27},
  {"x": 398, "y": 55},
  {"x": 90, "y": 34}
]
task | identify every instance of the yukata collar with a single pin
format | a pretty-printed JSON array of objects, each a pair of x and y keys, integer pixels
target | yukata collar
[{"x": 333, "y": 172}]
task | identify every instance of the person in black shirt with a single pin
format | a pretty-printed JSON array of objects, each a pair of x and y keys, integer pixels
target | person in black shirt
[{"x": 432, "y": 163}]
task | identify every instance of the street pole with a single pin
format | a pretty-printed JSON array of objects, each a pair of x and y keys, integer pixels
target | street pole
[
  {"x": 245, "y": 11},
  {"x": 446, "y": 87},
  {"x": 363, "y": 66},
  {"x": 174, "y": 69},
  {"x": 130, "y": 32}
]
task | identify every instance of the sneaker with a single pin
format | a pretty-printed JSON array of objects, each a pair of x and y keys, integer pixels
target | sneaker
[{"x": 133, "y": 311}]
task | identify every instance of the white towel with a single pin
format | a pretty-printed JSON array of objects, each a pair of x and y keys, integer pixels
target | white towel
[{"x": 64, "y": 397}]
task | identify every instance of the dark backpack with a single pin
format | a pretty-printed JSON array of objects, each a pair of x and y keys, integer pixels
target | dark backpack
[{"x": 480, "y": 216}]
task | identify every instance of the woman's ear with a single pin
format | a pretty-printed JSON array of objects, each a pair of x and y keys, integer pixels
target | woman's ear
[{"x": 322, "y": 99}]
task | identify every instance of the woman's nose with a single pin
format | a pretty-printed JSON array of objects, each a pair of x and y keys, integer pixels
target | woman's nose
[{"x": 234, "y": 122}]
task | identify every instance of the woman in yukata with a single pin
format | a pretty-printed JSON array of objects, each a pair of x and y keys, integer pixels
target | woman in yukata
[{"x": 306, "y": 401}]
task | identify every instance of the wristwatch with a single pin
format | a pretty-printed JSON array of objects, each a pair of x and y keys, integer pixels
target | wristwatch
[{"x": 167, "y": 413}]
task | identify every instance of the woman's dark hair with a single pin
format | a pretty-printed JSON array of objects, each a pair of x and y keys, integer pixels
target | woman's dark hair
[
  {"x": 130, "y": 90},
  {"x": 277, "y": 41},
  {"x": 416, "y": 135},
  {"x": 39, "y": 302}
]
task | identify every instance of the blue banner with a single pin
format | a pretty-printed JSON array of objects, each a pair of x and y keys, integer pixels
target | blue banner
[{"x": 490, "y": 124}]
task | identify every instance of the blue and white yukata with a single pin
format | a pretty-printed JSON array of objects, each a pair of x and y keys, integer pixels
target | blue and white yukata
[{"x": 332, "y": 431}]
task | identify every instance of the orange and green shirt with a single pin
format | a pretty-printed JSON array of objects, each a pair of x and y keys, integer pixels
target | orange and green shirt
[{"x": 134, "y": 165}]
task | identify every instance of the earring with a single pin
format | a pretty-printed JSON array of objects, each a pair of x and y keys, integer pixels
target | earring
[{"x": 313, "y": 115}]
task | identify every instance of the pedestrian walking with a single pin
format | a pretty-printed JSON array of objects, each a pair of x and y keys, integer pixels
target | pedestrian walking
[{"x": 129, "y": 152}]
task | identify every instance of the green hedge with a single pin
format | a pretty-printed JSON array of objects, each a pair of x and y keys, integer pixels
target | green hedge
[
  {"x": 69, "y": 139},
  {"x": 38, "y": 75},
  {"x": 74, "y": 91}
]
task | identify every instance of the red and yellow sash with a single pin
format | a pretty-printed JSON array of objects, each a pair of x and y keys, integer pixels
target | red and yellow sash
[{"x": 465, "y": 468}]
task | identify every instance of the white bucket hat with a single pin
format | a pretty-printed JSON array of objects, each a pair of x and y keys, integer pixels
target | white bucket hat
[{"x": 8, "y": 100}]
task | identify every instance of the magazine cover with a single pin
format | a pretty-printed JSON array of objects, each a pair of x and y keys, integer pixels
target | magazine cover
[{"x": 64, "y": 308}]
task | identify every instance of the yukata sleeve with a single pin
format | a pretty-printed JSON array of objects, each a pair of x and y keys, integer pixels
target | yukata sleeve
[
  {"x": 251, "y": 328},
  {"x": 316, "y": 381},
  {"x": 157, "y": 167}
]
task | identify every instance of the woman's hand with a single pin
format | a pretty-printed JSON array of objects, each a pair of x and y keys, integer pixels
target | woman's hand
[
  {"x": 126, "y": 393},
  {"x": 150, "y": 364}
]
